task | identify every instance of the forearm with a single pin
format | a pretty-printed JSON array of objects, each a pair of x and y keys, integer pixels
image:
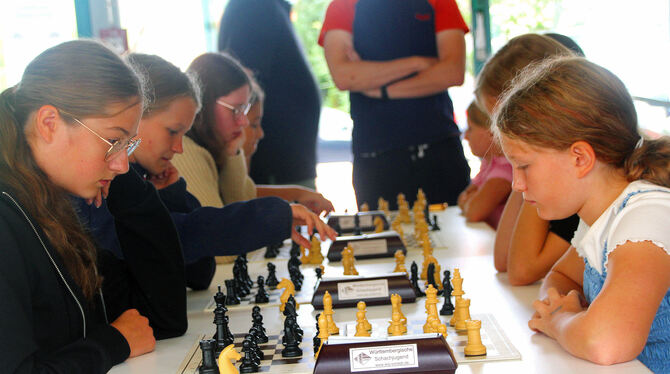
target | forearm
[
  {"x": 505, "y": 230},
  {"x": 561, "y": 282},
  {"x": 366, "y": 75},
  {"x": 431, "y": 81},
  {"x": 287, "y": 192}
]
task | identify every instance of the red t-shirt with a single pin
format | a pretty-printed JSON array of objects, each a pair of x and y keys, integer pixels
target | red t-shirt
[{"x": 340, "y": 16}]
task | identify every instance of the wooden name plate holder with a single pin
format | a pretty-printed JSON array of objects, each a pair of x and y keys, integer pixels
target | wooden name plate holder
[
  {"x": 375, "y": 245},
  {"x": 417, "y": 354},
  {"x": 347, "y": 291},
  {"x": 347, "y": 222}
]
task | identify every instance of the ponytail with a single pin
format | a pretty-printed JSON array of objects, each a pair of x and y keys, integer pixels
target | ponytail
[{"x": 650, "y": 161}]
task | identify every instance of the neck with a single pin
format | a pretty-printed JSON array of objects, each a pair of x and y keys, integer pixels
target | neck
[{"x": 603, "y": 192}]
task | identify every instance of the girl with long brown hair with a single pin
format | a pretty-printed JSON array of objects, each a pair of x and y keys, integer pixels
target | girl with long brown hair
[
  {"x": 570, "y": 130},
  {"x": 67, "y": 128}
]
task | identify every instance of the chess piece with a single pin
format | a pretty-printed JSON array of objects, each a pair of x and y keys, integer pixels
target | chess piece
[
  {"x": 304, "y": 258},
  {"x": 414, "y": 278},
  {"x": 222, "y": 334},
  {"x": 399, "y": 262},
  {"x": 361, "y": 324},
  {"x": 396, "y": 304},
  {"x": 328, "y": 312},
  {"x": 209, "y": 365},
  {"x": 248, "y": 363},
  {"x": 272, "y": 250},
  {"x": 427, "y": 260},
  {"x": 364, "y": 208},
  {"x": 225, "y": 366},
  {"x": 290, "y": 340},
  {"x": 319, "y": 273},
  {"x": 323, "y": 332},
  {"x": 262, "y": 295},
  {"x": 348, "y": 261},
  {"x": 315, "y": 255},
  {"x": 447, "y": 307},
  {"x": 272, "y": 281},
  {"x": 433, "y": 323},
  {"x": 396, "y": 328},
  {"x": 379, "y": 224},
  {"x": 258, "y": 324},
  {"x": 231, "y": 298},
  {"x": 360, "y": 315},
  {"x": 289, "y": 290},
  {"x": 357, "y": 225},
  {"x": 474, "y": 346},
  {"x": 462, "y": 313}
]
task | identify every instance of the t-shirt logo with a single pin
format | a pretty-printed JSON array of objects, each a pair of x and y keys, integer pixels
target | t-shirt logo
[{"x": 423, "y": 17}]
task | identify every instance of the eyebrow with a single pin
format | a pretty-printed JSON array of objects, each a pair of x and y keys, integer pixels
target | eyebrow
[{"x": 124, "y": 131}]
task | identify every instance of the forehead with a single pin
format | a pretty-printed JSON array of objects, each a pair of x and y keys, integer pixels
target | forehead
[{"x": 515, "y": 149}]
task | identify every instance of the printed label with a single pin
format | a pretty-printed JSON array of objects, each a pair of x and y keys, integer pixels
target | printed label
[
  {"x": 369, "y": 247},
  {"x": 365, "y": 221},
  {"x": 347, "y": 223},
  {"x": 383, "y": 357},
  {"x": 363, "y": 289}
]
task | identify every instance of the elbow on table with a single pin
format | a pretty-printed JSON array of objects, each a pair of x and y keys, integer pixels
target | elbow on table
[
  {"x": 474, "y": 215},
  {"x": 521, "y": 278},
  {"x": 606, "y": 349}
]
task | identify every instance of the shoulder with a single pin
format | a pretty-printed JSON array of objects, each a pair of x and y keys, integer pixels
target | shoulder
[
  {"x": 339, "y": 16},
  {"x": 448, "y": 16}
]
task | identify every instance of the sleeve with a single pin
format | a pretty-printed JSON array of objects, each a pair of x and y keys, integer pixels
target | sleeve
[
  {"x": 19, "y": 353},
  {"x": 339, "y": 16},
  {"x": 151, "y": 279},
  {"x": 448, "y": 16},
  {"x": 565, "y": 228},
  {"x": 177, "y": 199},
  {"x": 234, "y": 229},
  {"x": 235, "y": 184},
  {"x": 645, "y": 219}
]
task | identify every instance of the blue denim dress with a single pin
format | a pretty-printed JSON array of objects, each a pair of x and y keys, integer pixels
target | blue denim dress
[{"x": 656, "y": 353}]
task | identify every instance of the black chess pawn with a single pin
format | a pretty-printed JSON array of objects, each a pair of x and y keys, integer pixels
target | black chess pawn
[
  {"x": 319, "y": 273},
  {"x": 255, "y": 339},
  {"x": 209, "y": 365},
  {"x": 258, "y": 325},
  {"x": 414, "y": 270},
  {"x": 272, "y": 250},
  {"x": 295, "y": 249},
  {"x": 248, "y": 365},
  {"x": 430, "y": 277},
  {"x": 434, "y": 226},
  {"x": 272, "y": 280},
  {"x": 262, "y": 295},
  {"x": 231, "y": 298},
  {"x": 447, "y": 307}
]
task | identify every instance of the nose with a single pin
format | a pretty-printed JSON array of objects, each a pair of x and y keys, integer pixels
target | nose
[
  {"x": 518, "y": 181},
  {"x": 119, "y": 163},
  {"x": 261, "y": 133},
  {"x": 178, "y": 145}
]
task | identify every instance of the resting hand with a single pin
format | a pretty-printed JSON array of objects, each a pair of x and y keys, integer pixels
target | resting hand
[
  {"x": 166, "y": 178},
  {"x": 315, "y": 201},
  {"x": 135, "y": 328},
  {"x": 302, "y": 216},
  {"x": 552, "y": 309},
  {"x": 233, "y": 146},
  {"x": 102, "y": 194}
]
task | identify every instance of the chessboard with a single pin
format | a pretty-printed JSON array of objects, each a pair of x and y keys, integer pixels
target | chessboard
[
  {"x": 273, "y": 362},
  {"x": 410, "y": 241},
  {"x": 304, "y": 296},
  {"x": 498, "y": 346},
  {"x": 259, "y": 254}
]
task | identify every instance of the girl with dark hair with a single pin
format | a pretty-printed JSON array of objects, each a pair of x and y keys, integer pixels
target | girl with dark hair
[
  {"x": 213, "y": 162},
  {"x": 570, "y": 131},
  {"x": 68, "y": 128}
]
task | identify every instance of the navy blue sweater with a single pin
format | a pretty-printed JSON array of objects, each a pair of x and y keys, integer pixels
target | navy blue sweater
[{"x": 204, "y": 232}]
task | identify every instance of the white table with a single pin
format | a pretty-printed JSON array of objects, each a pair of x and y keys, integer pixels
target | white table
[{"x": 470, "y": 248}]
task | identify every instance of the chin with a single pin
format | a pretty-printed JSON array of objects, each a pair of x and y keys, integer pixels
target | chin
[{"x": 551, "y": 215}]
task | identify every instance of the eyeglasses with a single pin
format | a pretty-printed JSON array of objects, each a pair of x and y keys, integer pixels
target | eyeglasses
[
  {"x": 114, "y": 147},
  {"x": 238, "y": 111}
]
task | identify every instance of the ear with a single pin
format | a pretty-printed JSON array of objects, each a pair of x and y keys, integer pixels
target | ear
[
  {"x": 47, "y": 122},
  {"x": 584, "y": 158}
]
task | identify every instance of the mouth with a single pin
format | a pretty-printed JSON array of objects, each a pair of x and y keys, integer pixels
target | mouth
[{"x": 104, "y": 182}]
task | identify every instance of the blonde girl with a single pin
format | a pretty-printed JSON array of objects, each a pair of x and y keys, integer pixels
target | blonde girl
[{"x": 569, "y": 128}]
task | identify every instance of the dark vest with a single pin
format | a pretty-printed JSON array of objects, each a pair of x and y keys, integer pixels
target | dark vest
[{"x": 384, "y": 30}]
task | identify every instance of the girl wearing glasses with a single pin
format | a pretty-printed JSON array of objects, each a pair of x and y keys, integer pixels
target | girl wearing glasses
[
  {"x": 212, "y": 150},
  {"x": 67, "y": 128}
]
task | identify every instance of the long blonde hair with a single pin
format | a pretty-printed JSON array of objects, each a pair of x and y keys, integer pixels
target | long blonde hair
[
  {"x": 81, "y": 78},
  {"x": 504, "y": 65},
  {"x": 562, "y": 100}
]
